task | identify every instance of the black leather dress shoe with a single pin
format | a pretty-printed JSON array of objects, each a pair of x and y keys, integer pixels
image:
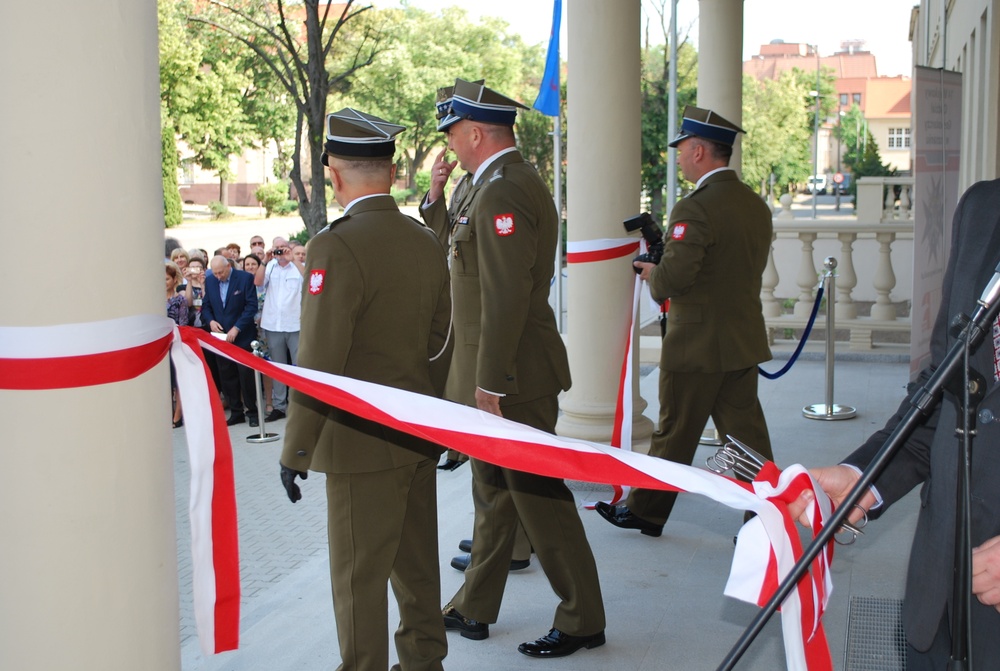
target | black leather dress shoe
[
  {"x": 461, "y": 562},
  {"x": 253, "y": 420},
  {"x": 449, "y": 464},
  {"x": 235, "y": 419},
  {"x": 557, "y": 644},
  {"x": 472, "y": 629},
  {"x": 274, "y": 416},
  {"x": 622, "y": 517},
  {"x": 465, "y": 545}
]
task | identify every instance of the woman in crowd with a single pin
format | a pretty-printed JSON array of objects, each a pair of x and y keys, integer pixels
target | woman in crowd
[
  {"x": 177, "y": 309},
  {"x": 194, "y": 290},
  {"x": 181, "y": 259}
]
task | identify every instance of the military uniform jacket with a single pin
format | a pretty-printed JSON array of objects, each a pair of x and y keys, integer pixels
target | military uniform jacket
[
  {"x": 375, "y": 306},
  {"x": 503, "y": 234},
  {"x": 717, "y": 243},
  {"x": 930, "y": 455}
]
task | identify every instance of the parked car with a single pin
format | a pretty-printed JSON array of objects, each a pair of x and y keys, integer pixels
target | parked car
[{"x": 817, "y": 184}]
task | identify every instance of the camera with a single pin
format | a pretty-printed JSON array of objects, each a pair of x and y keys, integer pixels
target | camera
[
  {"x": 279, "y": 252},
  {"x": 651, "y": 233}
]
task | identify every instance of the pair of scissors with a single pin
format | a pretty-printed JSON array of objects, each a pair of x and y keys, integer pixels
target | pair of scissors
[{"x": 746, "y": 463}]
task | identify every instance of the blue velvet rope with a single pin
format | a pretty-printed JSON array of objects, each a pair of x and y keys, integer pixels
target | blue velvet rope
[{"x": 802, "y": 342}]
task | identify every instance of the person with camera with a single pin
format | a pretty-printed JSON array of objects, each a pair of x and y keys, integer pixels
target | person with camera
[
  {"x": 510, "y": 361},
  {"x": 280, "y": 278},
  {"x": 716, "y": 246}
]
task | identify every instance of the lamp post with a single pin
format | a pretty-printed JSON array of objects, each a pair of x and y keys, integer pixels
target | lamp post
[
  {"x": 815, "y": 190},
  {"x": 840, "y": 170}
]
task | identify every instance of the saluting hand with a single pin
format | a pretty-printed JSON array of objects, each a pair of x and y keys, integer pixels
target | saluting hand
[{"x": 440, "y": 172}]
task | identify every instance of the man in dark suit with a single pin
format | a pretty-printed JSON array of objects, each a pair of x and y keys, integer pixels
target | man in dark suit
[
  {"x": 376, "y": 307},
  {"x": 930, "y": 458},
  {"x": 716, "y": 246},
  {"x": 510, "y": 361},
  {"x": 229, "y": 306}
]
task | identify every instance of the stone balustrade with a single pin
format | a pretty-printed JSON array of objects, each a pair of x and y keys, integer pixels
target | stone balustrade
[{"x": 870, "y": 249}]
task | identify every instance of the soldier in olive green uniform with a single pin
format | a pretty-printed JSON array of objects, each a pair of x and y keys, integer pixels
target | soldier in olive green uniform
[
  {"x": 440, "y": 222},
  {"x": 509, "y": 360},
  {"x": 717, "y": 244},
  {"x": 361, "y": 320}
]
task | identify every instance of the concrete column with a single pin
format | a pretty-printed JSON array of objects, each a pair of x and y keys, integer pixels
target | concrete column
[
  {"x": 89, "y": 552},
  {"x": 602, "y": 191},
  {"x": 720, "y": 63}
]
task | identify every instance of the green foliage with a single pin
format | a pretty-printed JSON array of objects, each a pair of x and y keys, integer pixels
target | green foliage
[
  {"x": 172, "y": 211},
  {"x": 286, "y": 208},
  {"x": 201, "y": 88},
  {"x": 271, "y": 196},
  {"x": 302, "y": 237},
  {"x": 423, "y": 181},
  {"x": 219, "y": 210},
  {"x": 401, "y": 196},
  {"x": 424, "y": 51},
  {"x": 861, "y": 154},
  {"x": 777, "y": 131},
  {"x": 655, "y": 88}
]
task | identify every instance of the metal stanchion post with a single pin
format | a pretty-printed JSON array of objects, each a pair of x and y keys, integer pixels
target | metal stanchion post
[
  {"x": 263, "y": 436},
  {"x": 829, "y": 410}
]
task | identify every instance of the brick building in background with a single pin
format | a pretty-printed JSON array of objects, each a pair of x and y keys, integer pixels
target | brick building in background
[{"x": 884, "y": 101}]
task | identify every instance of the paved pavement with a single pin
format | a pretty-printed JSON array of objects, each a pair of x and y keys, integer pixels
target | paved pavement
[{"x": 663, "y": 596}]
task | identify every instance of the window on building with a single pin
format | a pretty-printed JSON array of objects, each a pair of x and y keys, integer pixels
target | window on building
[
  {"x": 856, "y": 97},
  {"x": 843, "y": 100},
  {"x": 899, "y": 138}
]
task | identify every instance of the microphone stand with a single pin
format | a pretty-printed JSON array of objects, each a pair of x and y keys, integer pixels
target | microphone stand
[{"x": 923, "y": 401}]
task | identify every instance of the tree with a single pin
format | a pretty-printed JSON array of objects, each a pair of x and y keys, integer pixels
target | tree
[
  {"x": 424, "y": 51},
  {"x": 309, "y": 67},
  {"x": 778, "y": 131},
  {"x": 655, "y": 91},
  {"x": 200, "y": 91},
  {"x": 862, "y": 156},
  {"x": 172, "y": 211}
]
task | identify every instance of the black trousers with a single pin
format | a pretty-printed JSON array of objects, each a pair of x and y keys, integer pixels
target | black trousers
[{"x": 238, "y": 381}]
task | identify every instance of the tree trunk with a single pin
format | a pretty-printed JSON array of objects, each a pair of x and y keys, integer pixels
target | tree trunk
[{"x": 223, "y": 191}]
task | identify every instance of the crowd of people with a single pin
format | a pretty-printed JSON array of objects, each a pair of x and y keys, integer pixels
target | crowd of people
[
  {"x": 470, "y": 322},
  {"x": 227, "y": 293}
]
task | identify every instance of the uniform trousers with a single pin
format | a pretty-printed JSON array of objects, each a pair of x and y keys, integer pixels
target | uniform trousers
[
  {"x": 687, "y": 400},
  {"x": 383, "y": 528},
  {"x": 547, "y": 510}
]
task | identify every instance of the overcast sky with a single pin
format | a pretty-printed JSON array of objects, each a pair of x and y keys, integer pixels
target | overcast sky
[{"x": 883, "y": 24}]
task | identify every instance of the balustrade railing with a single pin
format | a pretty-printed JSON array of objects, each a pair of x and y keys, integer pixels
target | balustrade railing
[{"x": 875, "y": 239}]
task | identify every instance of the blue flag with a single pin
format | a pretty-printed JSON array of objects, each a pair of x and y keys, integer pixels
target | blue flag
[{"x": 547, "y": 101}]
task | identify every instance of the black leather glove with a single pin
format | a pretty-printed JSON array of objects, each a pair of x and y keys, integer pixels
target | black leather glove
[{"x": 288, "y": 480}]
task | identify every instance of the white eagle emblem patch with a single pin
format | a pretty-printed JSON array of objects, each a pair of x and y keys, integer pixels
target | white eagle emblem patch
[
  {"x": 679, "y": 231},
  {"x": 316, "y": 278},
  {"x": 504, "y": 224}
]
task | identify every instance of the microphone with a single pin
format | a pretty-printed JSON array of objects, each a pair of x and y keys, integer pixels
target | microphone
[
  {"x": 992, "y": 290},
  {"x": 986, "y": 309}
]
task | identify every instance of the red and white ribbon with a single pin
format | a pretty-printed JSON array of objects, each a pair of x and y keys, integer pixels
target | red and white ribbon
[
  {"x": 761, "y": 563},
  {"x": 607, "y": 249}
]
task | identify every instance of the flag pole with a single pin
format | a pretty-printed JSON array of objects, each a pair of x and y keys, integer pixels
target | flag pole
[
  {"x": 557, "y": 159},
  {"x": 548, "y": 102}
]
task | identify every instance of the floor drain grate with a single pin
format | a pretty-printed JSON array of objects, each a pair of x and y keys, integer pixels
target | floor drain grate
[{"x": 875, "y": 640}]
